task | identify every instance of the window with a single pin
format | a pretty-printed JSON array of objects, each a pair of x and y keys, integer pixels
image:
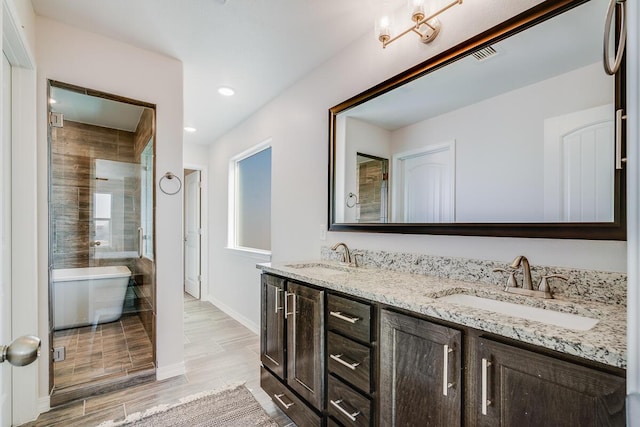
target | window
[{"x": 250, "y": 200}]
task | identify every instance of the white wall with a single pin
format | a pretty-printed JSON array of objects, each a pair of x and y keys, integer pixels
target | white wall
[
  {"x": 85, "y": 59},
  {"x": 297, "y": 123},
  {"x": 512, "y": 153}
]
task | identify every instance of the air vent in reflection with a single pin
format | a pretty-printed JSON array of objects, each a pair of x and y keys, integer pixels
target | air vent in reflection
[{"x": 484, "y": 54}]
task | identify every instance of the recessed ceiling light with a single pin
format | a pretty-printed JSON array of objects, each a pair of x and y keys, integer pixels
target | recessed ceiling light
[
  {"x": 226, "y": 91},
  {"x": 52, "y": 101},
  {"x": 190, "y": 129}
]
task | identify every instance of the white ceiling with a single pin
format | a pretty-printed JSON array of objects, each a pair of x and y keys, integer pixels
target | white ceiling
[
  {"x": 93, "y": 110},
  {"x": 257, "y": 47}
]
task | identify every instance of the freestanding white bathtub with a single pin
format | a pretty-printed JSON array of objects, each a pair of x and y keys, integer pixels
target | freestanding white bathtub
[{"x": 88, "y": 296}]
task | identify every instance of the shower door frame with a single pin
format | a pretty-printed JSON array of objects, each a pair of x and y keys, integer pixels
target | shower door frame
[{"x": 90, "y": 92}]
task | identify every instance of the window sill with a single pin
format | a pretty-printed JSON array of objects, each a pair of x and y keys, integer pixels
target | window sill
[{"x": 256, "y": 254}]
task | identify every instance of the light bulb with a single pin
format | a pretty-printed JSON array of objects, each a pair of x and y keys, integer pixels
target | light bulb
[
  {"x": 383, "y": 28},
  {"x": 417, "y": 10}
]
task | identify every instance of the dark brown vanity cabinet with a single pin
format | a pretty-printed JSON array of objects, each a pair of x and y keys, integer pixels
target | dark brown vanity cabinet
[
  {"x": 420, "y": 372},
  {"x": 517, "y": 387},
  {"x": 350, "y": 349},
  {"x": 292, "y": 348}
]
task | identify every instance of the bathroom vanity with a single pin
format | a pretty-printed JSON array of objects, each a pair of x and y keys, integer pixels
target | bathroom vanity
[{"x": 368, "y": 346}]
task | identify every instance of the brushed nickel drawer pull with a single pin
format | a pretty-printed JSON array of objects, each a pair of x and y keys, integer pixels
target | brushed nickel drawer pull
[
  {"x": 286, "y": 405},
  {"x": 341, "y": 316},
  {"x": 446, "y": 385},
  {"x": 278, "y": 307},
  {"x": 286, "y": 305},
  {"x": 351, "y": 416},
  {"x": 338, "y": 358},
  {"x": 485, "y": 380}
]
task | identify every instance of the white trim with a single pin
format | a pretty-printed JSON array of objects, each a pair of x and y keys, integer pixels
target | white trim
[
  {"x": 44, "y": 404},
  {"x": 175, "y": 370},
  {"x": 262, "y": 256},
  {"x": 13, "y": 42},
  {"x": 232, "y": 217},
  {"x": 246, "y": 322}
]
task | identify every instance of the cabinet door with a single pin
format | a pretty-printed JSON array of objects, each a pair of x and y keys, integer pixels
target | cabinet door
[
  {"x": 420, "y": 372},
  {"x": 305, "y": 343},
  {"x": 272, "y": 324},
  {"x": 522, "y": 388}
]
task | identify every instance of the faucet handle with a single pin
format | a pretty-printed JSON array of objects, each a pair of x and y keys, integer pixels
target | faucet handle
[
  {"x": 354, "y": 259},
  {"x": 544, "y": 282},
  {"x": 511, "y": 281}
]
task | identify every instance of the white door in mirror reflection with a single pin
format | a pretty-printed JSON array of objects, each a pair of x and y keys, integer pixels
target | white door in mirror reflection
[
  {"x": 579, "y": 166},
  {"x": 424, "y": 184}
]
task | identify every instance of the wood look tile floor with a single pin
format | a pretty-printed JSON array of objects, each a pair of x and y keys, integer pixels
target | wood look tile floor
[
  {"x": 218, "y": 352},
  {"x": 105, "y": 350}
]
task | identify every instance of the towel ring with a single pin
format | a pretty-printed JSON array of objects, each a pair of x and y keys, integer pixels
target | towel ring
[
  {"x": 352, "y": 200},
  {"x": 609, "y": 68},
  {"x": 169, "y": 176}
]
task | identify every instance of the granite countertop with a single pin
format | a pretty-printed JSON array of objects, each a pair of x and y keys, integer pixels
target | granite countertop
[{"x": 606, "y": 342}]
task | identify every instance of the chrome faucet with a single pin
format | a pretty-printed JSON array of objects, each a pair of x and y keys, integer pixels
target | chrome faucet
[{"x": 526, "y": 271}]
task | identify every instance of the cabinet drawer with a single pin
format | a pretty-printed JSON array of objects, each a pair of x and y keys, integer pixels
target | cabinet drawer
[
  {"x": 350, "y": 360},
  {"x": 347, "y": 405},
  {"x": 295, "y": 408},
  {"x": 350, "y": 317}
]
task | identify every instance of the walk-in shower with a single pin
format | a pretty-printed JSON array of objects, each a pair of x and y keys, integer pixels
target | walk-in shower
[{"x": 101, "y": 246}]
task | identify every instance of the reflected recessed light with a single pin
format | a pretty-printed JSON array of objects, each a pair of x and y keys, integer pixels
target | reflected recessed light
[
  {"x": 190, "y": 129},
  {"x": 226, "y": 91},
  {"x": 52, "y": 101}
]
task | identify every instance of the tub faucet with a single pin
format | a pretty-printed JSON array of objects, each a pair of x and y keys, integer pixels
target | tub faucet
[
  {"x": 346, "y": 255},
  {"x": 526, "y": 271}
]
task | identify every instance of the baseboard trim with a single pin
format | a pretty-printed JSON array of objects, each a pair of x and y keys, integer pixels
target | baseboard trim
[
  {"x": 246, "y": 322},
  {"x": 162, "y": 373},
  {"x": 44, "y": 404}
]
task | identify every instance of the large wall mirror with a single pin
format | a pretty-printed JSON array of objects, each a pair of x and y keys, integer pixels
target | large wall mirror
[{"x": 512, "y": 133}]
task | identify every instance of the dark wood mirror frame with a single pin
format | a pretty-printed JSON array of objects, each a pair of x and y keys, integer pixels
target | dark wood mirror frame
[{"x": 615, "y": 230}]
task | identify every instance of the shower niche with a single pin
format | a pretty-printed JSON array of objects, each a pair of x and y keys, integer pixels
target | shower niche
[{"x": 101, "y": 241}]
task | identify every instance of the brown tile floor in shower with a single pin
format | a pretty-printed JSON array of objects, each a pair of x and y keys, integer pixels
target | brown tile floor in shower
[{"x": 103, "y": 351}]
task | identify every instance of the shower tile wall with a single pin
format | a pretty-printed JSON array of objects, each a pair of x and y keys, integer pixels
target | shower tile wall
[{"x": 74, "y": 150}]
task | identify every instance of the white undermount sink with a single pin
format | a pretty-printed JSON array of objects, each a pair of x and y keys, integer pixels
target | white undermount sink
[{"x": 557, "y": 318}]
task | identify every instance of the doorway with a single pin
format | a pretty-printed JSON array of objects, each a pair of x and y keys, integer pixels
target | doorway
[
  {"x": 193, "y": 233},
  {"x": 101, "y": 245}
]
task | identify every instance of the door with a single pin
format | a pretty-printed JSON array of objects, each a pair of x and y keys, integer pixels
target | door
[
  {"x": 272, "y": 325},
  {"x": 424, "y": 188},
  {"x": 579, "y": 166},
  {"x": 5, "y": 241},
  {"x": 420, "y": 372},
  {"x": 522, "y": 388},
  {"x": 192, "y": 234},
  {"x": 304, "y": 312}
]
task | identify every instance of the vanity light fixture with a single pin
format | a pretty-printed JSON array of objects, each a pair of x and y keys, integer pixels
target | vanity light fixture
[
  {"x": 425, "y": 26},
  {"x": 226, "y": 91},
  {"x": 189, "y": 129}
]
